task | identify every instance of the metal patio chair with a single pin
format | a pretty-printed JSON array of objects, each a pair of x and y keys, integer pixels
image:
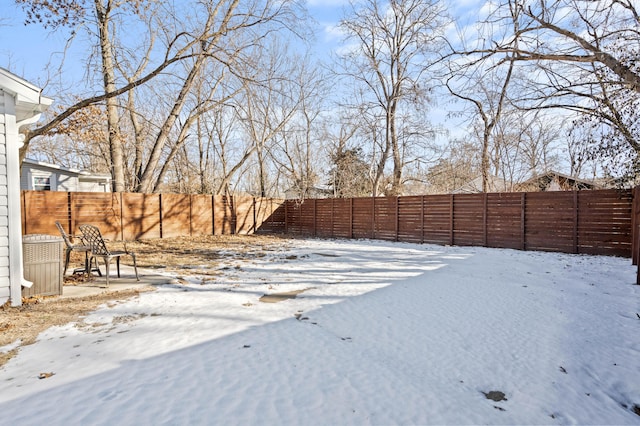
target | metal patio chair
[
  {"x": 81, "y": 247},
  {"x": 91, "y": 234}
]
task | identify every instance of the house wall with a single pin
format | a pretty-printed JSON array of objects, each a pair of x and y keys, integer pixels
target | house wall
[
  {"x": 5, "y": 283},
  {"x": 87, "y": 185},
  {"x": 60, "y": 180}
]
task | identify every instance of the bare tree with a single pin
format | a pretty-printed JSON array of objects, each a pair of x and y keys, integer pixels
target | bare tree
[
  {"x": 57, "y": 14},
  {"x": 577, "y": 32},
  {"x": 297, "y": 149},
  {"x": 390, "y": 58},
  {"x": 484, "y": 84},
  {"x": 458, "y": 165},
  {"x": 227, "y": 28},
  {"x": 268, "y": 104},
  {"x": 488, "y": 102},
  {"x": 580, "y": 56}
]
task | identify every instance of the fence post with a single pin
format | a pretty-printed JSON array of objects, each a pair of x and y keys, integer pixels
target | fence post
[
  {"x": 575, "y": 221},
  {"x": 191, "y": 215},
  {"x": 523, "y": 216},
  {"x": 635, "y": 226},
  {"x": 213, "y": 214},
  {"x": 286, "y": 219},
  {"x": 373, "y": 219},
  {"x": 484, "y": 219},
  {"x": 351, "y": 218},
  {"x": 120, "y": 194},
  {"x": 70, "y": 216},
  {"x": 397, "y": 216},
  {"x": 24, "y": 214},
  {"x": 451, "y": 241},
  {"x": 635, "y": 231},
  {"x": 422, "y": 220},
  {"x": 255, "y": 215},
  {"x": 160, "y": 214},
  {"x": 234, "y": 216}
]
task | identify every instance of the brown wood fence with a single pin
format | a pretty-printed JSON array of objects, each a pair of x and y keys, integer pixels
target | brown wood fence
[
  {"x": 590, "y": 222},
  {"x": 130, "y": 216}
]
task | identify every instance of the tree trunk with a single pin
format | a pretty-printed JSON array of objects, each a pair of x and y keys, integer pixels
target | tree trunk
[
  {"x": 108, "y": 74},
  {"x": 396, "y": 187}
]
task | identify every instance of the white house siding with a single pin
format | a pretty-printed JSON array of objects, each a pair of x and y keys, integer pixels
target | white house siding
[
  {"x": 92, "y": 185},
  {"x": 60, "y": 179},
  {"x": 21, "y": 104},
  {"x": 5, "y": 284}
]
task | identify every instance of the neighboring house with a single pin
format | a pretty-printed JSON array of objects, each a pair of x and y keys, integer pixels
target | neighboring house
[
  {"x": 549, "y": 181},
  {"x": 21, "y": 104},
  {"x": 554, "y": 181},
  {"x": 39, "y": 176}
]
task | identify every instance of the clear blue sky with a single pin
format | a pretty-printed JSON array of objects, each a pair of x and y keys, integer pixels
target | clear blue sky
[{"x": 26, "y": 50}]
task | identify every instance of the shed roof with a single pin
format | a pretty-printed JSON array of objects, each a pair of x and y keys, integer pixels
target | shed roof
[{"x": 83, "y": 174}]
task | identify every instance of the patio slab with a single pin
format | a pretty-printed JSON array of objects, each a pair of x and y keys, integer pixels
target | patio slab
[{"x": 127, "y": 281}]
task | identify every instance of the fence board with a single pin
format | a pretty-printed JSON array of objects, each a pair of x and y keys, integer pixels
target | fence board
[
  {"x": 605, "y": 222},
  {"x": 136, "y": 216},
  {"x": 293, "y": 216},
  {"x": 385, "y": 220},
  {"x": 594, "y": 222},
  {"x": 324, "y": 218},
  {"x": 140, "y": 216},
  {"x": 468, "y": 223},
  {"x": 270, "y": 215},
  {"x": 176, "y": 215},
  {"x": 362, "y": 218},
  {"x": 103, "y": 210},
  {"x": 201, "y": 214},
  {"x": 597, "y": 222},
  {"x": 550, "y": 221},
  {"x": 437, "y": 219},
  {"x": 504, "y": 220},
  {"x": 223, "y": 215},
  {"x": 410, "y": 219},
  {"x": 341, "y": 218},
  {"x": 46, "y": 209},
  {"x": 244, "y": 214}
]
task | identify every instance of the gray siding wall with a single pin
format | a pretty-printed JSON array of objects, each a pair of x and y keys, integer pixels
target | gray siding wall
[
  {"x": 60, "y": 180},
  {"x": 92, "y": 186}
]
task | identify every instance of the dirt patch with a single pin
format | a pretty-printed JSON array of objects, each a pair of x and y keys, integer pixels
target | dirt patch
[
  {"x": 202, "y": 254},
  {"x": 279, "y": 297},
  {"x": 496, "y": 396}
]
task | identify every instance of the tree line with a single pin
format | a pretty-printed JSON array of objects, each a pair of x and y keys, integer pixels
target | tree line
[{"x": 224, "y": 96}]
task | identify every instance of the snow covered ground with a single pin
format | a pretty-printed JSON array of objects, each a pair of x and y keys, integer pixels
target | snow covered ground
[{"x": 379, "y": 333}]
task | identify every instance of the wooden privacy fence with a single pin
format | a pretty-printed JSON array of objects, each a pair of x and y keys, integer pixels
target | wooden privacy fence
[
  {"x": 132, "y": 216},
  {"x": 591, "y": 222}
]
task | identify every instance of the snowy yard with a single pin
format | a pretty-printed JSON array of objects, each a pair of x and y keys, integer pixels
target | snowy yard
[{"x": 377, "y": 333}]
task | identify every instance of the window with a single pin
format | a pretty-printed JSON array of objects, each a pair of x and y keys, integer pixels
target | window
[{"x": 41, "y": 183}]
